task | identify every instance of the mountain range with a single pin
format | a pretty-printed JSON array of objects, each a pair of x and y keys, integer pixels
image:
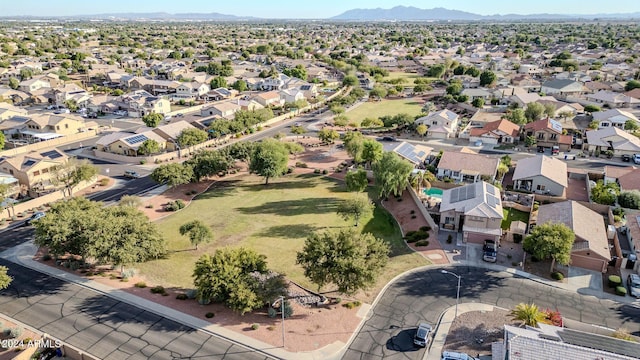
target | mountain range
[{"x": 398, "y": 13}]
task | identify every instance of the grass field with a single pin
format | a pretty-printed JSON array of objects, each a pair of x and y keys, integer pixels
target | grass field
[
  {"x": 511, "y": 215},
  {"x": 376, "y": 109},
  {"x": 409, "y": 77},
  {"x": 274, "y": 220}
]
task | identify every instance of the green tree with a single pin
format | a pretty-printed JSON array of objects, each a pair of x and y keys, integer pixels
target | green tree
[
  {"x": 565, "y": 114},
  {"x": 593, "y": 125},
  {"x": 550, "y": 241},
  {"x": 197, "y": 231},
  {"x": 436, "y": 71},
  {"x": 152, "y": 120},
  {"x": 218, "y": 82},
  {"x": 605, "y": 193},
  {"x": 350, "y": 80},
  {"x": 2, "y": 140},
  {"x": 630, "y": 199},
  {"x": 421, "y": 130},
  {"x": 294, "y": 148},
  {"x": 193, "y": 136},
  {"x": 149, "y": 147},
  {"x": 631, "y": 125},
  {"x": 14, "y": 83},
  {"x": 591, "y": 108},
  {"x": 454, "y": 89},
  {"x": 478, "y": 102},
  {"x": 517, "y": 116},
  {"x": 379, "y": 92},
  {"x": 549, "y": 110},
  {"x": 529, "y": 314},
  {"x": 632, "y": 84},
  {"x": 72, "y": 173},
  {"x": 356, "y": 181},
  {"x": 534, "y": 111},
  {"x": 487, "y": 78},
  {"x": 209, "y": 163},
  {"x": 341, "y": 120},
  {"x": 355, "y": 208},
  {"x": 269, "y": 159},
  {"x": 327, "y": 135},
  {"x": 5, "y": 280},
  {"x": 345, "y": 258},
  {"x": 371, "y": 151},
  {"x": 173, "y": 174},
  {"x": 391, "y": 174},
  {"x": 298, "y": 130},
  {"x": 240, "y": 85}
]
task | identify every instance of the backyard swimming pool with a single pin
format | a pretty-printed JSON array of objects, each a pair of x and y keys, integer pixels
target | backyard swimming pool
[{"x": 434, "y": 192}]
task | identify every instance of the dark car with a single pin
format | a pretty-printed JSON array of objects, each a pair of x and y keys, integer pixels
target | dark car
[
  {"x": 34, "y": 217},
  {"x": 490, "y": 251},
  {"x": 386, "y": 138},
  {"x": 540, "y": 149},
  {"x": 422, "y": 335},
  {"x": 626, "y": 158}
]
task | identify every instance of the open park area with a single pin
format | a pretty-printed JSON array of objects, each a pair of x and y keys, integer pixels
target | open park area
[
  {"x": 377, "y": 109},
  {"x": 274, "y": 220}
]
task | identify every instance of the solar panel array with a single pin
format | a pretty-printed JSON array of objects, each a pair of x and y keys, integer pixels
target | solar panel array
[
  {"x": 136, "y": 139},
  {"x": 409, "y": 152},
  {"x": 492, "y": 201},
  {"x": 28, "y": 163},
  {"x": 490, "y": 190},
  {"x": 600, "y": 342},
  {"x": 556, "y": 125},
  {"x": 463, "y": 193},
  {"x": 53, "y": 154}
]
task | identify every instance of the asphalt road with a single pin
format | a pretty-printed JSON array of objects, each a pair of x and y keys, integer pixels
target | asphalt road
[
  {"x": 425, "y": 294},
  {"x": 103, "y": 327}
]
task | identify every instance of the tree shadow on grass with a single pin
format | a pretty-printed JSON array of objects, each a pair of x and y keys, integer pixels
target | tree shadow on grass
[
  {"x": 383, "y": 225},
  {"x": 220, "y": 189},
  {"x": 294, "y": 207},
  {"x": 280, "y": 184},
  {"x": 296, "y": 231}
]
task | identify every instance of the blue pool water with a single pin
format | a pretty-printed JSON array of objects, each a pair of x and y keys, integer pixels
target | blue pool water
[{"x": 435, "y": 192}]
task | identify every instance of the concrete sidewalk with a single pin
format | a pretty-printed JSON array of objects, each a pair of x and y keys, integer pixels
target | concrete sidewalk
[{"x": 23, "y": 255}]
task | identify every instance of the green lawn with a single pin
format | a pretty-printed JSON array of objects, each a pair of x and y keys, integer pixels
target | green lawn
[
  {"x": 409, "y": 77},
  {"x": 274, "y": 220},
  {"x": 511, "y": 215},
  {"x": 376, "y": 109}
]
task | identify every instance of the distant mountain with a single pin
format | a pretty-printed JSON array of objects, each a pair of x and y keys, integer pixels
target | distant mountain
[{"x": 410, "y": 13}]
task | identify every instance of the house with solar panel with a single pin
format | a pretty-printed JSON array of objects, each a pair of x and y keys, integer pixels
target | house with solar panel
[
  {"x": 123, "y": 143},
  {"x": 34, "y": 170},
  {"x": 475, "y": 210},
  {"x": 416, "y": 154}
]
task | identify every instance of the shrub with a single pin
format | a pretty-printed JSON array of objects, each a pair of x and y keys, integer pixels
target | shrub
[
  {"x": 180, "y": 204},
  {"x": 143, "y": 161},
  {"x": 192, "y": 293},
  {"x": 181, "y": 297},
  {"x": 621, "y": 290},
  {"x": 352, "y": 304},
  {"x": 89, "y": 273},
  {"x": 425, "y": 228},
  {"x": 422, "y": 243},
  {"x": 124, "y": 280},
  {"x": 255, "y": 326},
  {"x": 289, "y": 170},
  {"x": 209, "y": 315},
  {"x": 16, "y": 332},
  {"x": 300, "y": 164},
  {"x": 614, "y": 281},
  {"x": 449, "y": 239},
  {"x": 46, "y": 257},
  {"x": 140, "y": 285},
  {"x": 104, "y": 182},
  {"x": 150, "y": 206},
  {"x": 517, "y": 238},
  {"x": 158, "y": 290},
  {"x": 271, "y": 327},
  {"x": 272, "y": 312},
  {"x": 129, "y": 273},
  {"x": 617, "y": 218},
  {"x": 556, "y": 275},
  {"x": 325, "y": 172},
  {"x": 316, "y": 171},
  {"x": 413, "y": 236}
]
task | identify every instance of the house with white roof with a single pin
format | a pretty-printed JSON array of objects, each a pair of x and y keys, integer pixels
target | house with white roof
[
  {"x": 612, "y": 138},
  {"x": 476, "y": 209},
  {"x": 614, "y": 117},
  {"x": 541, "y": 174},
  {"x": 613, "y": 99},
  {"x": 441, "y": 125}
]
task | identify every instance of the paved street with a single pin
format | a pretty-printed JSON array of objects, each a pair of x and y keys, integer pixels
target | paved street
[
  {"x": 424, "y": 295},
  {"x": 104, "y": 327}
]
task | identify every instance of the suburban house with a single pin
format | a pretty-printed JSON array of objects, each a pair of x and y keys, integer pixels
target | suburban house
[
  {"x": 32, "y": 85},
  {"x": 591, "y": 246},
  {"x": 473, "y": 209},
  {"x": 562, "y": 87},
  {"x": 614, "y": 117},
  {"x": 416, "y": 154},
  {"x": 310, "y": 91},
  {"x": 8, "y": 111},
  {"x": 612, "y": 138},
  {"x": 442, "y": 124},
  {"x": 467, "y": 167},
  {"x": 478, "y": 94},
  {"x": 34, "y": 170},
  {"x": 140, "y": 103},
  {"x": 191, "y": 91},
  {"x": 548, "y": 133},
  {"x": 291, "y": 95},
  {"x": 613, "y": 99},
  {"x": 63, "y": 124},
  {"x": 269, "y": 98},
  {"x": 495, "y": 132},
  {"x": 72, "y": 93},
  {"x": 628, "y": 178},
  {"x": 225, "y": 109},
  {"x": 122, "y": 143},
  {"x": 542, "y": 175},
  {"x": 170, "y": 132},
  {"x": 548, "y": 342}
]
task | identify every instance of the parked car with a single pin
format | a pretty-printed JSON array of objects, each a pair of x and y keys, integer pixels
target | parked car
[
  {"x": 386, "y": 138},
  {"x": 423, "y": 333},
  {"x": 555, "y": 150},
  {"x": 540, "y": 149},
  {"x": 490, "y": 251},
  {"x": 34, "y": 217},
  {"x": 131, "y": 174},
  {"x": 179, "y": 115},
  {"x": 626, "y": 158},
  {"x": 633, "y": 282},
  {"x": 450, "y": 355},
  {"x": 636, "y": 158}
]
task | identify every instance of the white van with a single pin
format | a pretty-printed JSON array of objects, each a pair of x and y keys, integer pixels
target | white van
[{"x": 450, "y": 355}]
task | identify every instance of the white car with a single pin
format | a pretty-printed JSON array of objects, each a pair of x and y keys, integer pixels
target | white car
[
  {"x": 636, "y": 158},
  {"x": 633, "y": 282},
  {"x": 450, "y": 355}
]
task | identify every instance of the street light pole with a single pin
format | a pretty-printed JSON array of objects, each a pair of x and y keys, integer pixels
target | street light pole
[
  {"x": 458, "y": 292},
  {"x": 282, "y": 311}
]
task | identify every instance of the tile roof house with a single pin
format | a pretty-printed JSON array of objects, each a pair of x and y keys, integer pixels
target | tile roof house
[
  {"x": 562, "y": 87},
  {"x": 7, "y": 111},
  {"x": 170, "y": 132},
  {"x": 628, "y": 178},
  {"x": 548, "y": 133},
  {"x": 496, "y": 132},
  {"x": 127, "y": 144},
  {"x": 225, "y": 109},
  {"x": 442, "y": 124},
  {"x": 612, "y": 138},
  {"x": 613, "y": 99},
  {"x": 541, "y": 174},
  {"x": 477, "y": 208},
  {"x": 34, "y": 170},
  {"x": 467, "y": 167},
  {"x": 269, "y": 98},
  {"x": 614, "y": 117},
  {"x": 591, "y": 247}
]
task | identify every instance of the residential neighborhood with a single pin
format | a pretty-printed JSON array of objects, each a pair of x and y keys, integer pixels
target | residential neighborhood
[{"x": 380, "y": 183}]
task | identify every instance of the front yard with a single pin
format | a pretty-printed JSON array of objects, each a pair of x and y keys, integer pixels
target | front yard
[{"x": 274, "y": 220}]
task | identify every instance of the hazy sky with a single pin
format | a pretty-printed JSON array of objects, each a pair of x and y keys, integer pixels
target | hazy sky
[{"x": 307, "y": 9}]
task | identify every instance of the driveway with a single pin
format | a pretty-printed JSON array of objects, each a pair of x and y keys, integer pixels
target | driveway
[{"x": 423, "y": 295}]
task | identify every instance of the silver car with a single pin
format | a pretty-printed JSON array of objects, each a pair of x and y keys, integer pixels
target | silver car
[
  {"x": 422, "y": 335},
  {"x": 633, "y": 282}
]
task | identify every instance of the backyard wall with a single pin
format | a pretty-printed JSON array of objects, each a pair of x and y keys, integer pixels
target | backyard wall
[
  {"x": 57, "y": 142},
  {"x": 423, "y": 210}
]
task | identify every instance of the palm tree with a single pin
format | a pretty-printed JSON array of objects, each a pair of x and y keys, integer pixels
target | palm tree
[{"x": 529, "y": 314}]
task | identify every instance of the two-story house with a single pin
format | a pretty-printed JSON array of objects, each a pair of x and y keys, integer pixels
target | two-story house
[
  {"x": 34, "y": 170},
  {"x": 475, "y": 210},
  {"x": 467, "y": 167},
  {"x": 63, "y": 124},
  {"x": 548, "y": 133},
  {"x": 441, "y": 124},
  {"x": 191, "y": 91}
]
